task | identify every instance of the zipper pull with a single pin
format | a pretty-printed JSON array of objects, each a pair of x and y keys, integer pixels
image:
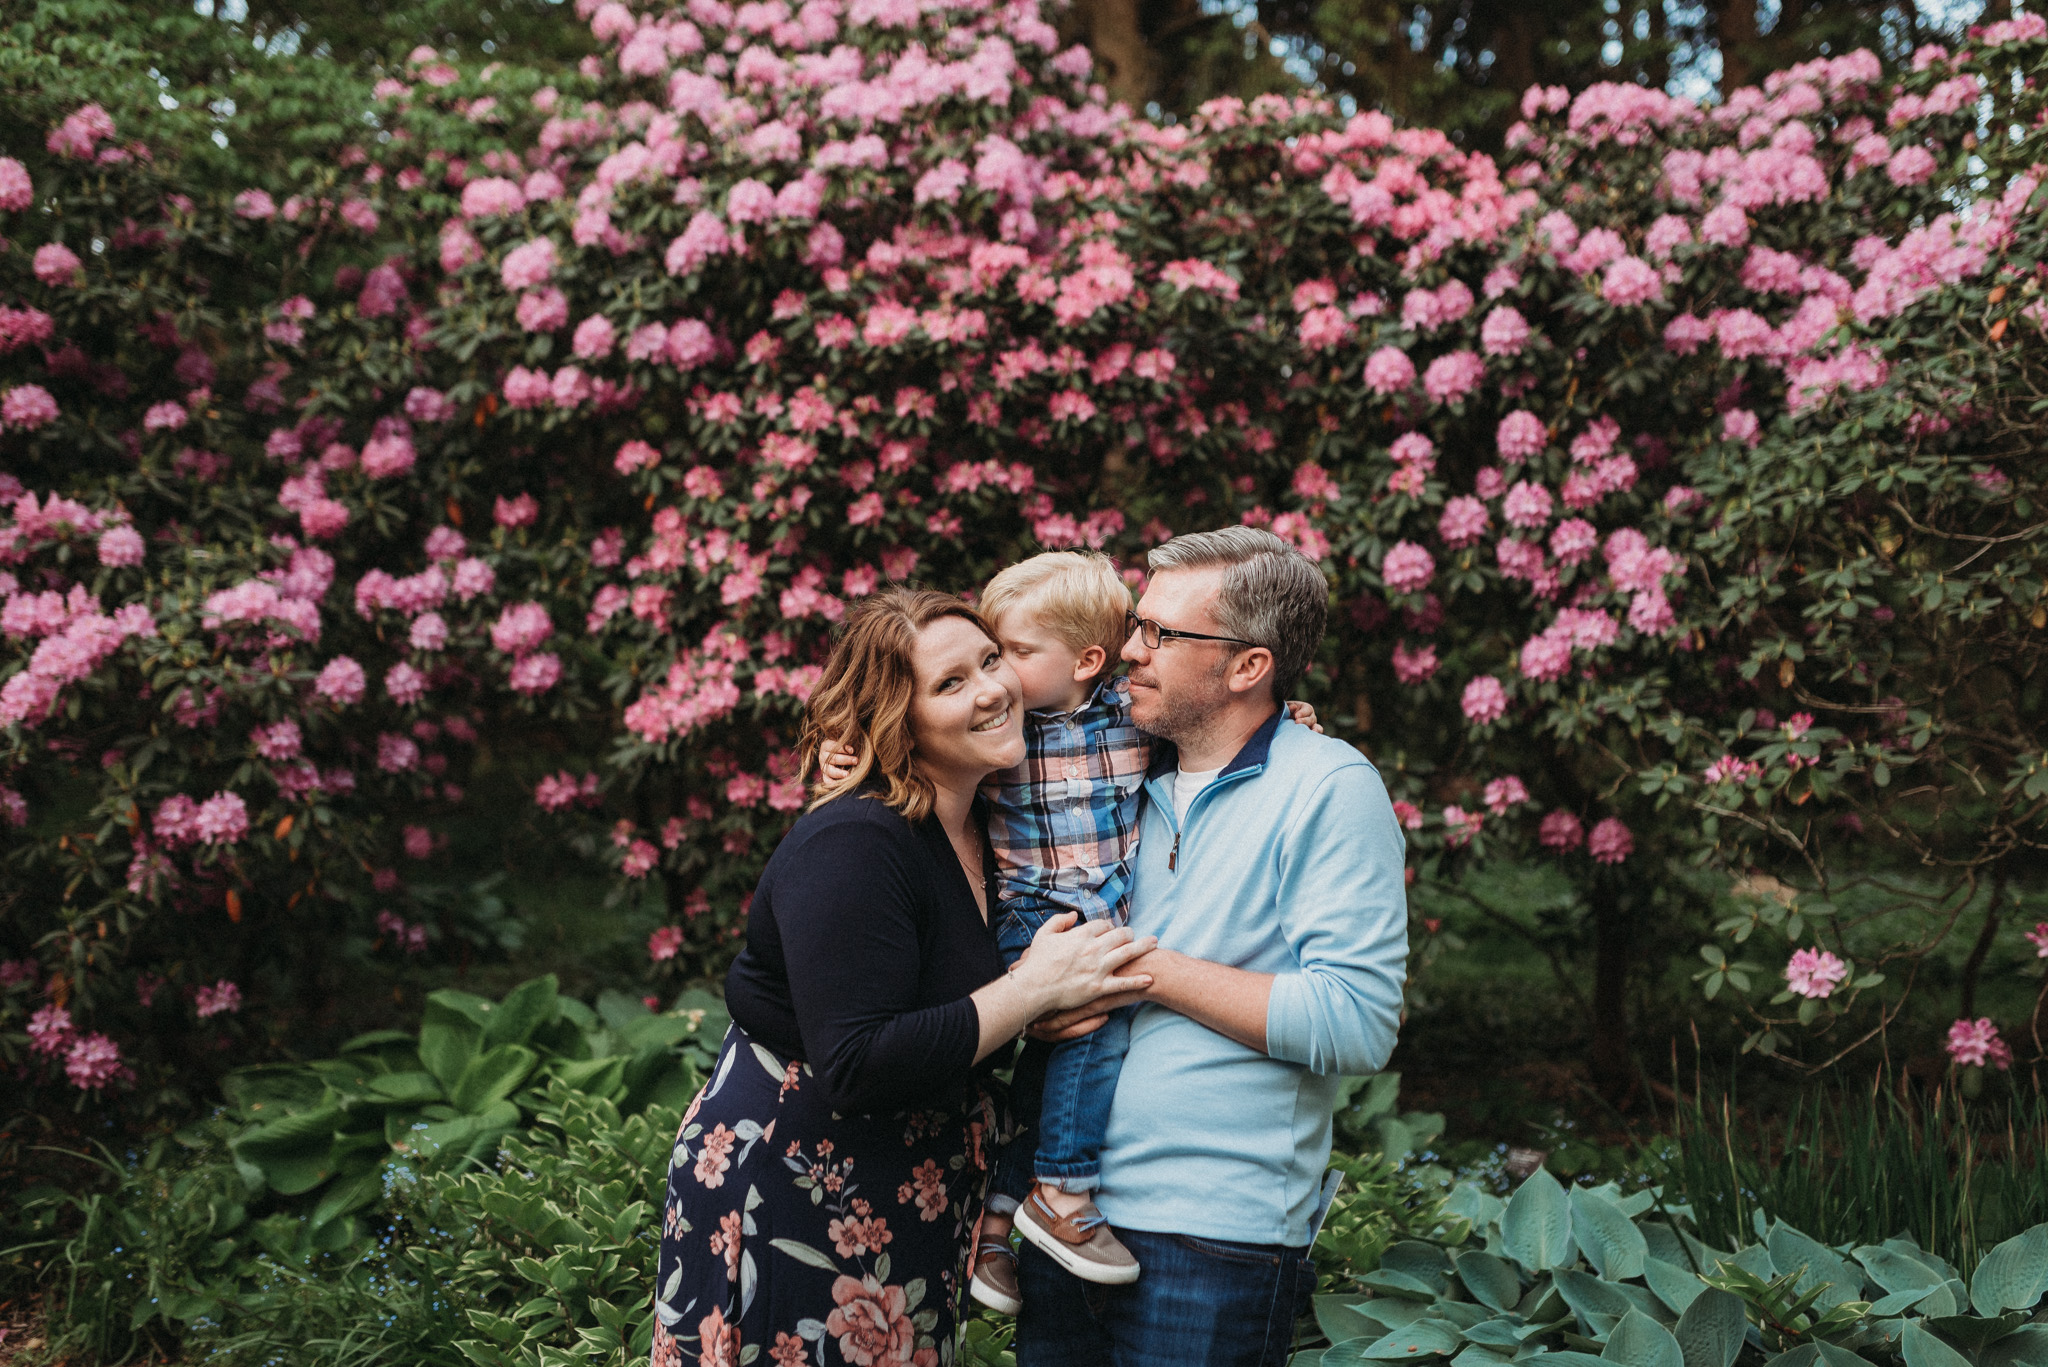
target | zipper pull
[{"x": 1173, "y": 855}]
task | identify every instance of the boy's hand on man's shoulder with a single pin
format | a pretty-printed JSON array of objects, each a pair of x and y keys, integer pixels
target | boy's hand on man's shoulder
[{"x": 1300, "y": 711}]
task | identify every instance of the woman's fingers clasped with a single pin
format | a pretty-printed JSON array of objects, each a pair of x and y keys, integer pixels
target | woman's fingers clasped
[{"x": 1080, "y": 962}]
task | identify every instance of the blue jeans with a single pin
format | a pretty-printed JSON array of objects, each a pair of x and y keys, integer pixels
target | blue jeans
[
  {"x": 1198, "y": 1303},
  {"x": 1060, "y": 1094},
  {"x": 1060, "y": 1099}
]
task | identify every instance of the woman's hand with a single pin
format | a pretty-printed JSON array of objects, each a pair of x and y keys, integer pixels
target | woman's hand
[
  {"x": 1070, "y": 965},
  {"x": 835, "y": 761},
  {"x": 1067, "y": 966}
]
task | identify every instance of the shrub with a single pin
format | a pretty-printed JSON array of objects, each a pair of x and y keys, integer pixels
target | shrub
[{"x": 1635, "y": 459}]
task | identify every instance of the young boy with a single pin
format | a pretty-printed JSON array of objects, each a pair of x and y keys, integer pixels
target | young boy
[{"x": 1064, "y": 825}]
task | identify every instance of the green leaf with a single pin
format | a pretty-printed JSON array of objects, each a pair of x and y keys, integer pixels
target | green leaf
[
  {"x": 448, "y": 1038},
  {"x": 1805, "y": 1355},
  {"x": 1569, "y": 1358},
  {"x": 467, "y": 1136},
  {"x": 491, "y": 1077},
  {"x": 1588, "y": 1295},
  {"x": 1834, "y": 1355},
  {"x": 1491, "y": 1280},
  {"x": 1424, "y": 1338},
  {"x": 1610, "y": 1240},
  {"x": 1346, "y": 1353},
  {"x": 294, "y": 1153},
  {"x": 1898, "y": 1302},
  {"x": 1639, "y": 1341},
  {"x": 1923, "y": 1349},
  {"x": 1790, "y": 1248},
  {"x": 2026, "y": 1347},
  {"x": 348, "y": 1195},
  {"x": 620, "y": 1010},
  {"x": 408, "y": 1088},
  {"x": 374, "y": 1039},
  {"x": 1339, "y": 1319},
  {"x": 1895, "y": 1271},
  {"x": 1974, "y": 1332},
  {"x": 603, "y": 1077},
  {"x": 1426, "y": 1263},
  {"x": 1387, "y": 1312},
  {"x": 1402, "y": 1284},
  {"x": 1710, "y": 1332},
  {"x": 1673, "y": 1285},
  {"x": 525, "y": 1009},
  {"x": 2013, "y": 1275},
  {"x": 1504, "y": 1333},
  {"x": 1536, "y": 1228},
  {"x": 1470, "y": 1203}
]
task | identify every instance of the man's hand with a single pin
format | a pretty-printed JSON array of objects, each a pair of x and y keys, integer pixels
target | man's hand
[
  {"x": 1062, "y": 1026},
  {"x": 1230, "y": 1001}
]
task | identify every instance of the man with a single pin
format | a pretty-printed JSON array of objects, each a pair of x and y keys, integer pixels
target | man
[{"x": 1270, "y": 868}]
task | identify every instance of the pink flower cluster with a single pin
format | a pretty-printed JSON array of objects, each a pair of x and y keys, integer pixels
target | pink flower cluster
[
  {"x": 221, "y": 998},
  {"x": 1815, "y": 973},
  {"x": 91, "y": 1061},
  {"x": 1977, "y": 1044}
]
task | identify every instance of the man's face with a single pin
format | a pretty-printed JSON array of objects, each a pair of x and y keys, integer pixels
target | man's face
[{"x": 1178, "y": 687}]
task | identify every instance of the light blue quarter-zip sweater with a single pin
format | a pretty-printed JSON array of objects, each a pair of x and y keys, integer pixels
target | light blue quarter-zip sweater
[{"x": 1289, "y": 863}]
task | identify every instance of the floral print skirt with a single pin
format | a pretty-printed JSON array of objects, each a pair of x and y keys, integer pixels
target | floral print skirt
[{"x": 808, "y": 1238}]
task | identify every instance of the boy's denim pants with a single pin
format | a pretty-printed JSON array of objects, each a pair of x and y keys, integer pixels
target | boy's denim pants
[{"x": 1061, "y": 1092}]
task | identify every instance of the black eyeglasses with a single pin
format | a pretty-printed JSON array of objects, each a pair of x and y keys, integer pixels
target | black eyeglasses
[{"x": 1153, "y": 635}]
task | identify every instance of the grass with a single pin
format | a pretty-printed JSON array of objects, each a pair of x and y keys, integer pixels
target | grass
[{"x": 1957, "y": 1176}]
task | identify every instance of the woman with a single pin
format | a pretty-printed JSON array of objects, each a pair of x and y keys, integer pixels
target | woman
[{"x": 826, "y": 1179}]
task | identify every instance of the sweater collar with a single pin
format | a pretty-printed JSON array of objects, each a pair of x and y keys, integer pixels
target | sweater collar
[{"x": 1253, "y": 753}]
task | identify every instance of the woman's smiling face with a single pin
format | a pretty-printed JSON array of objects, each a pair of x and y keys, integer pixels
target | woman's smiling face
[{"x": 967, "y": 720}]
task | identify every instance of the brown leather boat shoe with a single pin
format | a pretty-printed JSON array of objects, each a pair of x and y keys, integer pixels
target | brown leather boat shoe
[{"x": 1081, "y": 1242}]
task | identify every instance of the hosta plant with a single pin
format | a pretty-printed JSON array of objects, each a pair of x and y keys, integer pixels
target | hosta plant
[
  {"x": 333, "y": 1132},
  {"x": 1593, "y": 1277}
]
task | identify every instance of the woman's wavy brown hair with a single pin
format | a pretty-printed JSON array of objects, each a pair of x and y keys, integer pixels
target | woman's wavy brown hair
[{"x": 863, "y": 699}]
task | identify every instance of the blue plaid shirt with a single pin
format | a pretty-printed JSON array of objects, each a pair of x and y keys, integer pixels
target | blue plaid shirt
[{"x": 1064, "y": 823}]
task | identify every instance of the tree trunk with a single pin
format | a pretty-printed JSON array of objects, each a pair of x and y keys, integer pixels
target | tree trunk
[
  {"x": 1514, "y": 54},
  {"x": 1735, "y": 24},
  {"x": 1113, "y": 32},
  {"x": 1658, "y": 67},
  {"x": 1974, "y": 965},
  {"x": 1612, "y": 1060}
]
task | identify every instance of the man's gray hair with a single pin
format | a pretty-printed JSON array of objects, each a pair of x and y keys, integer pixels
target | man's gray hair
[{"x": 1272, "y": 594}]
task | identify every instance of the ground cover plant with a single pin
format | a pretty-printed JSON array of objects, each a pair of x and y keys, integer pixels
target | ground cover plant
[
  {"x": 482, "y": 1189},
  {"x": 1583, "y": 1275}
]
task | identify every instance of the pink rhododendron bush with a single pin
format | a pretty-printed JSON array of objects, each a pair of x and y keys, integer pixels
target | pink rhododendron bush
[{"x": 1674, "y": 476}]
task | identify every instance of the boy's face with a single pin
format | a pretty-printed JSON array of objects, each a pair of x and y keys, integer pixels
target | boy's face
[{"x": 1045, "y": 664}]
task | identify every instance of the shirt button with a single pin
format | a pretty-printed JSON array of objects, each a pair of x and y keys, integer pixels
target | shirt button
[{"x": 1073, "y": 769}]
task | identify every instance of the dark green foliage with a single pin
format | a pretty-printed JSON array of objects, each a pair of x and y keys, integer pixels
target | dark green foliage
[
  {"x": 1391, "y": 1190},
  {"x": 1590, "y": 1277},
  {"x": 485, "y": 1190},
  {"x": 1956, "y": 1177}
]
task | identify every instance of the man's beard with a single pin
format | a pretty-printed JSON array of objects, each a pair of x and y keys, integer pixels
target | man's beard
[{"x": 1182, "y": 719}]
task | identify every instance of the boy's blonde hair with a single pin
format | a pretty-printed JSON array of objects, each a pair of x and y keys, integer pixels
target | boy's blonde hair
[{"x": 1077, "y": 595}]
